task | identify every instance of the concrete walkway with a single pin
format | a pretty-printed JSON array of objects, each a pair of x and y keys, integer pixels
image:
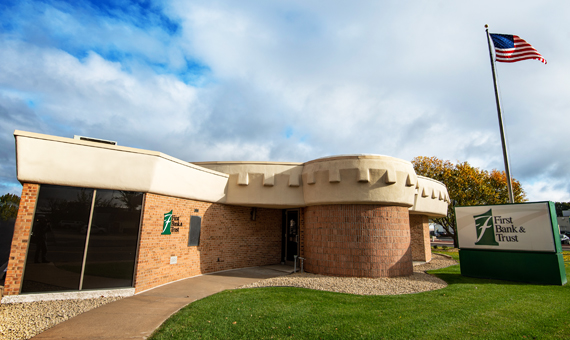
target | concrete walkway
[{"x": 136, "y": 317}]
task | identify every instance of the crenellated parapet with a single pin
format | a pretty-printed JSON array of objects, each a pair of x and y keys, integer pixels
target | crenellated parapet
[
  {"x": 261, "y": 184},
  {"x": 359, "y": 179},
  {"x": 431, "y": 198},
  {"x": 344, "y": 179}
]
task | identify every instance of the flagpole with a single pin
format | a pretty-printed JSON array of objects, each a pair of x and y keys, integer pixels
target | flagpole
[{"x": 503, "y": 141}]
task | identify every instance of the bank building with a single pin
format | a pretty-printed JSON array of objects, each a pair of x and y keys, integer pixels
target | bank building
[{"x": 98, "y": 216}]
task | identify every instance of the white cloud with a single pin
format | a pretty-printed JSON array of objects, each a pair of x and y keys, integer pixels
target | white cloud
[
  {"x": 96, "y": 91},
  {"x": 547, "y": 190},
  {"x": 296, "y": 81}
]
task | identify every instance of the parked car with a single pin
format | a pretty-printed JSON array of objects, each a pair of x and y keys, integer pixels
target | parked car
[
  {"x": 95, "y": 229},
  {"x": 70, "y": 224},
  {"x": 441, "y": 234},
  {"x": 564, "y": 239}
]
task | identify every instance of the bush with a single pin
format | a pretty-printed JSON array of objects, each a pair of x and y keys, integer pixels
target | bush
[{"x": 9, "y": 207}]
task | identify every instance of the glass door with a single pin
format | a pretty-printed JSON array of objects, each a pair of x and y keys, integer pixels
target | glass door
[{"x": 292, "y": 234}]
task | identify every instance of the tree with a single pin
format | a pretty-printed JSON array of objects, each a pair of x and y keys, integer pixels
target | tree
[
  {"x": 561, "y": 206},
  {"x": 132, "y": 200},
  {"x": 467, "y": 185},
  {"x": 9, "y": 204}
]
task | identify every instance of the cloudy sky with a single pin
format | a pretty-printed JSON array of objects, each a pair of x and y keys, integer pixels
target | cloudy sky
[{"x": 291, "y": 80}]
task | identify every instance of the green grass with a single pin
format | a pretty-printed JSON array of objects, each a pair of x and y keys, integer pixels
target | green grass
[
  {"x": 451, "y": 252},
  {"x": 467, "y": 309}
]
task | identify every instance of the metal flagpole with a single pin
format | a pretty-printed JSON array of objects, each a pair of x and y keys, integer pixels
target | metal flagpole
[{"x": 503, "y": 141}]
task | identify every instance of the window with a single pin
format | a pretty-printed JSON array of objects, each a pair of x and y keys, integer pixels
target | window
[{"x": 67, "y": 252}]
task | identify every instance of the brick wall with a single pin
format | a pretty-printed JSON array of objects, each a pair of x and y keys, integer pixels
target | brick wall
[
  {"x": 19, "y": 247},
  {"x": 357, "y": 240},
  {"x": 229, "y": 239},
  {"x": 421, "y": 246}
]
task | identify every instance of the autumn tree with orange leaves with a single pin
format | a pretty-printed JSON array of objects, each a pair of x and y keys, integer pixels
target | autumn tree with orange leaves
[{"x": 467, "y": 185}]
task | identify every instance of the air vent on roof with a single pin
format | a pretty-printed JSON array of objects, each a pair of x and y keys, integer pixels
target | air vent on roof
[{"x": 96, "y": 140}]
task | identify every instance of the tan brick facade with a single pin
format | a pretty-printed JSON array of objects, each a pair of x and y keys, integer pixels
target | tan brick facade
[
  {"x": 421, "y": 246},
  {"x": 21, "y": 238},
  {"x": 357, "y": 240},
  {"x": 229, "y": 239},
  {"x": 353, "y": 209},
  {"x": 339, "y": 240}
]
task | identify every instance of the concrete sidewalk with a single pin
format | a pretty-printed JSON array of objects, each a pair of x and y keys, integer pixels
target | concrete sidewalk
[{"x": 136, "y": 317}]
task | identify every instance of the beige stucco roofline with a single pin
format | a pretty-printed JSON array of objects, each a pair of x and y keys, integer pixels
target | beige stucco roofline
[
  {"x": 113, "y": 147},
  {"x": 342, "y": 179},
  {"x": 245, "y": 162},
  {"x": 70, "y": 162}
]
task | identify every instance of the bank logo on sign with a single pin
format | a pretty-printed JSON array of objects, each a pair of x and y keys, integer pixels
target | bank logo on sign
[
  {"x": 167, "y": 223},
  {"x": 485, "y": 229}
]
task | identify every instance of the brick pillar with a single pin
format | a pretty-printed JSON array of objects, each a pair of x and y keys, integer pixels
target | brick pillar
[
  {"x": 358, "y": 240},
  {"x": 22, "y": 230},
  {"x": 421, "y": 246}
]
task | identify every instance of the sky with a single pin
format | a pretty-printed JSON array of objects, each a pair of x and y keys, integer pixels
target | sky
[{"x": 291, "y": 81}]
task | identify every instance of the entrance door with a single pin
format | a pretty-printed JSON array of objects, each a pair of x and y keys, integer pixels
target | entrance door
[{"x": 291, "y": 234}]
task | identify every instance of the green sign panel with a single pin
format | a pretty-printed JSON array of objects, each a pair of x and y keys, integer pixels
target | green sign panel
[
  {"x": 167, "y": 223},
  {"x": 484, "y": 225},
  {"x": 516, "y": 242}
]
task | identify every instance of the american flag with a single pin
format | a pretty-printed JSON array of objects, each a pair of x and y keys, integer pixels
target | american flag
[{"x": 511, "y": 48}]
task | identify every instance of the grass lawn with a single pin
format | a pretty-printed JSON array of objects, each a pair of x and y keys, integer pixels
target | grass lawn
[{"x": 467, "y": 309}]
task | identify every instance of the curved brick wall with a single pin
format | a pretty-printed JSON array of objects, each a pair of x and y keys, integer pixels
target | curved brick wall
[{"x": 358, "y": 240}]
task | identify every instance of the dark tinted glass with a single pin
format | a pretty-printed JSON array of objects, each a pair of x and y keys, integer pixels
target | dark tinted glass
[
  {"x": 194, "y": 233},
  {"x": 57, "y": 243},
  {"x": 113, "y": 239}
]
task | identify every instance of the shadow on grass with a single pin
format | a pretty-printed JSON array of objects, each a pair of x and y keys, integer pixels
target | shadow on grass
[{"x": 452, "y": 275}]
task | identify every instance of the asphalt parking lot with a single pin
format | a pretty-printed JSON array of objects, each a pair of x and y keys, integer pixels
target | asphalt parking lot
[{"x": 448, "y": 242}]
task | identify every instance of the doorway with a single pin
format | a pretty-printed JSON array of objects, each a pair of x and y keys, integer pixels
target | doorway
[{"x": 291, "y": 235}]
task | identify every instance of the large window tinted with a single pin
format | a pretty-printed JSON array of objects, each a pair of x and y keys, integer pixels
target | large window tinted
[
  {"x": 113, "y": 239},
  {"x": 61, "y": 233},
  {"x": 55, "y": 253}
]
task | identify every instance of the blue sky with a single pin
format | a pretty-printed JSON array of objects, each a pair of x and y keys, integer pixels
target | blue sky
[{"x": 290, "y": 81}]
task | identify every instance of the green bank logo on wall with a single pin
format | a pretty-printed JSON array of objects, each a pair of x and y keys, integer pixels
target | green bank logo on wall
[
  {"x": 485, "y": 229},
  {"x": 171, "y": 223},
  {"x": 167, "y": 223}
]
